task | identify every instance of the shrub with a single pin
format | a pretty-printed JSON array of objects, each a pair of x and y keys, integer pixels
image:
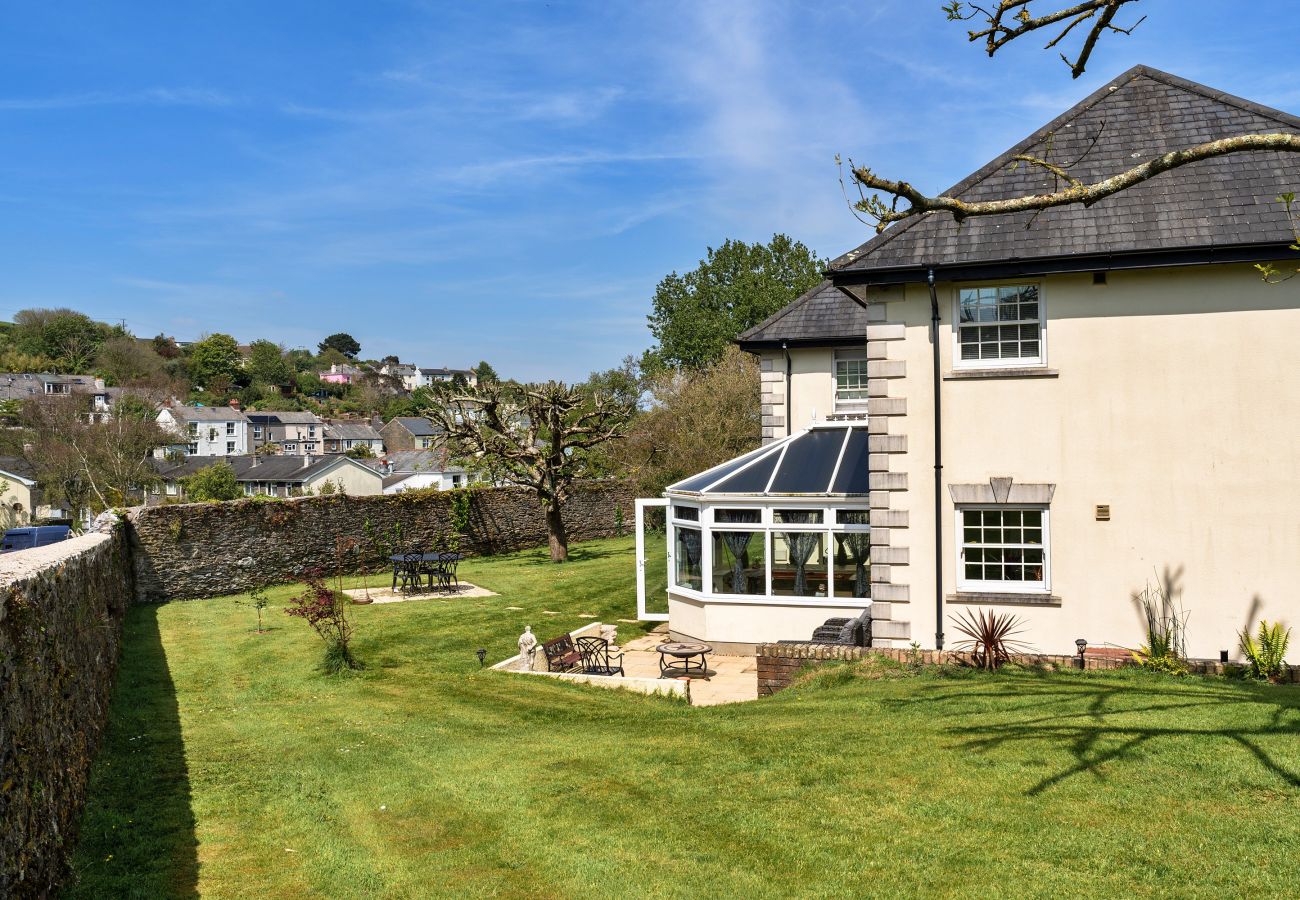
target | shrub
[
  {"x": 326, "y": 611},
  {"x": 1266, "y": 653},
  {"x": 990, "y": 637},
  {"x": 1165, "y": 649},
  {"x": 214, "y": 482}
]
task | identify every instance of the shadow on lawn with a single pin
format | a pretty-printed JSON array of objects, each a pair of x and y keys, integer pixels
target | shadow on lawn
[
  {"x": 578, "y": 552},
  {"x": 1094, "y": 735},
  {"x": 137, "y": 832}
]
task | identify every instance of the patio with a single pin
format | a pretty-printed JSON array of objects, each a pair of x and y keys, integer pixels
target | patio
[{"x": 728, "y": 679}]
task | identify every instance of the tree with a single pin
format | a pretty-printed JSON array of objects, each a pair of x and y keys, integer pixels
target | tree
[
  {"x": 96, "y": 464},
  {"x": 361, "y": 451},
  {"x": 1003, "y": 21},
  {"x": 267, "y": 364},
  {"x": 698, "y": 314},
  {"x": 70, "y": 338},
  {"x": 213, "y": 361},
  {"x": 696, "y": 420},
  {"x": 484, "y": 372},
  {"x": 538, "y": 436},
  {"x": 123, "y": 359},
  {"x": 214, "y": 482},
  {"x": 343, "y": 343}
]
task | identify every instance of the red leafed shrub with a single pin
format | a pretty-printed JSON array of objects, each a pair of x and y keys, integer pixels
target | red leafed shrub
[{"x": 326, "y": 611}]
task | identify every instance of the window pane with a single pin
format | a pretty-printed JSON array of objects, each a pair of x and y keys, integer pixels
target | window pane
[
  {"x": 746, "y": 516},
  {"x": 738, "y": 562},
  {"x": 853, "y": 516},
  {"x": 686, "y": 512},
  {"x": 853, "y": 565},
  {"x": 799, "y": 564},
  {"x": 1003, "y": 545},
  {"x": 689, "y": 549},
  {"x": 797, "y": 516}
]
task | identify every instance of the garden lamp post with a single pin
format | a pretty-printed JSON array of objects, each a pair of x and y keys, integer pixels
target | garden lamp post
[
  {"x": 481, "y": 653},
  {"x": 1082, "y": 645}
]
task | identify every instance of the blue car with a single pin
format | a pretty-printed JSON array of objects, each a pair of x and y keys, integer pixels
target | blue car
[{"x": 34, "y": 536}]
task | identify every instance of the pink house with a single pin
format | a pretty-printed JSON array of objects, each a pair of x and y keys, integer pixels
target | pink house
[{"x": 341, "y": 374}]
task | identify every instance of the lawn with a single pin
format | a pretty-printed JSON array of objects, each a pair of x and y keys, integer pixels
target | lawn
[{"x": 233, "y": 769}]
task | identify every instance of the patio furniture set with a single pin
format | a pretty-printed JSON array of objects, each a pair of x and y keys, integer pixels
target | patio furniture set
[
  {"x": 418, "y": 571},
  {"x": 592, "y": 656}
]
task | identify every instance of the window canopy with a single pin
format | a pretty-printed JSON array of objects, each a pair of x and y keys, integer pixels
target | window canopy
[{"x": 828, "y": 460}]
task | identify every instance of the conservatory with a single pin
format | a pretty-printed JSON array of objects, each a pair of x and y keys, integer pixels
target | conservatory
[{"x": 769, "y": 545}]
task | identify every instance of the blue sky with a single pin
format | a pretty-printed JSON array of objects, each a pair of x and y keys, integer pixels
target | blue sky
[{"x": 509, "y": 181}]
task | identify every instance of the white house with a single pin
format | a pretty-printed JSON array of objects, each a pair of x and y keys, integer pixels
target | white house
[{"x": 206, "y": 430}]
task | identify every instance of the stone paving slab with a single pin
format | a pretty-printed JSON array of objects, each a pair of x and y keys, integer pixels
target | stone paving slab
[{"x": 388, "y": 595}]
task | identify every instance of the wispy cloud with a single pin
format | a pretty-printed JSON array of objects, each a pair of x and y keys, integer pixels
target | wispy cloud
[{"x": 156, "y": 96}]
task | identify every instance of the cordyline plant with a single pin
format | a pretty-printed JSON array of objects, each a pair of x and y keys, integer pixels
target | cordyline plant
[
  {"x": 326, "y": 611},
  {"x": 990, "y": 636}
]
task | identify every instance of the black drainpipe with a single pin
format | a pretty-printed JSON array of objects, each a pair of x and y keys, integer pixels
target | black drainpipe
[
  {"x": 938, "y": 468},
  {"x": 789, "y": 370}
]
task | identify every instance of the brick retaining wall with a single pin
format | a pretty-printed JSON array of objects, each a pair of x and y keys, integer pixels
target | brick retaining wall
[{"x": 780, "y": 664}]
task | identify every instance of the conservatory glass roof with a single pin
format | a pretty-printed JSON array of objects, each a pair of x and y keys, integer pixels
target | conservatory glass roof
[{"x": 823, "y": 461}]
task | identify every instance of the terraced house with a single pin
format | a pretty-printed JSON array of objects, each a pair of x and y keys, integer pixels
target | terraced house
[{"x": 1039, "y": 413}]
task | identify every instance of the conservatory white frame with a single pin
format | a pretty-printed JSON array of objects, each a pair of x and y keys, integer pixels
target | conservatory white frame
[{"x": 767, "y": 526}]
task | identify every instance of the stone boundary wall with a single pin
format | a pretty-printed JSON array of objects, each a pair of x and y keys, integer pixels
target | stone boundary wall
[
  {"x": 780, "y": 664},
  {"x": 61, "y": 618},
  {"x": 195, "y": 550}
]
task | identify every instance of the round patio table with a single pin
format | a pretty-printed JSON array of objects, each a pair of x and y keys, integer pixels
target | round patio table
[
  {"x": 429, "y": 557},
  {"x": 683, "y": 658}
]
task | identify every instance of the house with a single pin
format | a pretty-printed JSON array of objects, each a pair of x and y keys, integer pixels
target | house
[
  {"x": 29, "y": 385},
  {"x": 205, "y": 430},
  {"x": 293, "y": 433},
  {"x": 405, "y": 470},
  {"x": 277, "y": 476},
  {"x": 341, "y": 373},
  {"x": 407, "y": 373},
  {"x": 342, "y": 436},
  {"x": 21, "y": 500},
  {"x": 409, "y": 433},
  {"x": 1039, "y": 414},
  {"x": 429, "y": 377}
]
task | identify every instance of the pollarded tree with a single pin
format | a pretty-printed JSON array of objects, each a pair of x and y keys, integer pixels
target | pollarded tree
[
  {"x": 537, "y": 436},
  {"x": 998, "y": 23}
]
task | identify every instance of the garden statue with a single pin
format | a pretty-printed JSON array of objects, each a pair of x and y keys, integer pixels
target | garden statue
[
  {"x": 609, "y": 634},
  {"x": 527, "y": 647}
]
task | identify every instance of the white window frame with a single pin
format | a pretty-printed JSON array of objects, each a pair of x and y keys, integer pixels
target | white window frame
[
  {"x": 230, "y": 448},
  {"x": 1020, "y": 362},
  {"x": 230, "y": 429},
  {"x": 977, "y": 586},
  {"x": 765, "y": 528},
  {"x": 849, "y": 355},
  {"x": 192, "y": 448}
]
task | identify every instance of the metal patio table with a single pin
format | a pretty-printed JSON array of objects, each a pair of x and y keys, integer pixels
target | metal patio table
[{"x": 683, "y": 658}]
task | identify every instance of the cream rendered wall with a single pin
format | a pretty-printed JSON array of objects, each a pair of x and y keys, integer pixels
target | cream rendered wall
[
  {"x": 1177, "y": 402},
  {"x": 14, "y": 491},
  {"x": 356, "y": 480},
  {"x": 748, "y": 622}
]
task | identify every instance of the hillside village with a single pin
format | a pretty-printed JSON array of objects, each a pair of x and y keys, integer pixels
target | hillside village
[{"x": 284, "y": 423}]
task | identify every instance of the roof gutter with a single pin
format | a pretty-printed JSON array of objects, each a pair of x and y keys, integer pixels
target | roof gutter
[{"x": 938, "y": 465}]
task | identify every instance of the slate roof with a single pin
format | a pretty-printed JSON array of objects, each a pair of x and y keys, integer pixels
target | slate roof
[
  {"x": 409, "y": 462},
  {"x": 207, "y": 414},
  {"x": 417, "y": 425},
  {"x": 289, "y": 469},
  {"x": 823, "y": 315},
  {"x": 351, "y": 431},
  {"x": 1226, "y": 204},
  {"x": 17, "y": 466},
  {"x": 284, "y": 418}
]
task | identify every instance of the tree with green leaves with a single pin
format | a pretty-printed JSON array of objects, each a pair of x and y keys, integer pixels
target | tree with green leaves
[
  {"x": 267, "y": 364},
  {"x": 214, "y": 482},
  {"x": 484, "y": 372},
  {"x": 542, "y": 437},
  {"x": 213, "y": 361},
  {"x": 735, "y": 287},
  {"x": 69, "y": 338},
  {"x": 343, "y": 343}
]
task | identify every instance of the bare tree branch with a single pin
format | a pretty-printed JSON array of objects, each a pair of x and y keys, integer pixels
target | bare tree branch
[
  {"x": 884, "y": 214},
  {"x": 1011, "y": 19}
]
